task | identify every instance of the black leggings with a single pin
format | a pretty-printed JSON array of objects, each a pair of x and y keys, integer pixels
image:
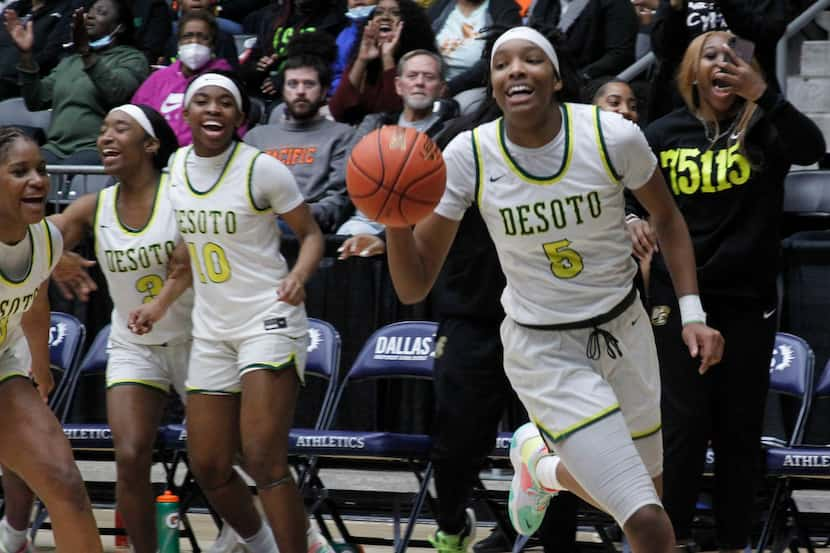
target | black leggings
[
  {"x": 471, "y": 395},
  {"x": 724, "y": 406}
]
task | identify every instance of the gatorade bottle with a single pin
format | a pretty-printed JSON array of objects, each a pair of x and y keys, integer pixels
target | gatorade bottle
[{"x": 167, "y": 522}]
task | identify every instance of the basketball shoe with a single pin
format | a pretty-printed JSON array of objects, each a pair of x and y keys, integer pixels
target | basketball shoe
[
  {"x": 317, "y": 543},
  {"x": 528, "y": 500},
  {"x": 456, "y": 543}
]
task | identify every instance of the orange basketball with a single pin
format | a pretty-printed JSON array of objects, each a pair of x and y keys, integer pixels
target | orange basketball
[{"x": 396, "y": 175}]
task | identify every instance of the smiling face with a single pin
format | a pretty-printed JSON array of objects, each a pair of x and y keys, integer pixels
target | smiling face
[
  {"x": 619, "y": 98},
  {"x": 124, "y": 146},
  {"x": 387, "y": 14},
  {"x": 523, "y": 78},
  {"x": 302, "y": 92},
  {"x": 24, "y": 185},
  {"x": 213, "y": 118},
  {"x": 712, "y": 90},
  {"x": 102, "y": 19}
]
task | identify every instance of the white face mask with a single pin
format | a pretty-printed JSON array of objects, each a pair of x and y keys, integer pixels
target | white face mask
[{"x": 195, "y": 55}]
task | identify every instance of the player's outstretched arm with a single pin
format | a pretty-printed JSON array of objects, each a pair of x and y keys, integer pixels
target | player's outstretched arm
[
  {"x": 673, "y": 235},
  {"x": 416, "y": 255},
  {"x": 179, "y": 278}
]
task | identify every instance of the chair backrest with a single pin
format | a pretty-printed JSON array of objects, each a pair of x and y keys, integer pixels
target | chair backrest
[
  {"x": 13, "y": 111},
  {"x": 791, "y": 373},
  {"x": 66, "y": 340},
  {"x": 807, "y": 193},
  {"x": 94, "y": 361},
  {"x": 404, "y": 349},
  {"x": 323, "y": 361}
]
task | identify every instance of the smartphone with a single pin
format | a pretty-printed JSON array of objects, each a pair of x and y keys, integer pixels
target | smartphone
[{"x": 743, "y": 48}]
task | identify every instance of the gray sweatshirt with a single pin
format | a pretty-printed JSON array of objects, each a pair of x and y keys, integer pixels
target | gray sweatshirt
[{"x": 315, "y": 151}]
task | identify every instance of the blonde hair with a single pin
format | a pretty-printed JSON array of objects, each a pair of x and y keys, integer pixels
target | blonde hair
[{"x": 687, "y": 87}]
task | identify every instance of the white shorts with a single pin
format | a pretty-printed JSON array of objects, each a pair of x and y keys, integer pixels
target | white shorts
[
  {"x": 217, "y": 367},
  {"x": 564, "y": 391},
  {"x": 15, "y": 360},
  {"x": 158, "y": 367}
]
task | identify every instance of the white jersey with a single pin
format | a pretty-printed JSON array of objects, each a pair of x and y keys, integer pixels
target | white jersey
[
  {"x": 134, "y": 262},
  {"x": 18, "y": 295},
  {"x": 234, "y": 245},
  {"x": 555, "y": 213}
]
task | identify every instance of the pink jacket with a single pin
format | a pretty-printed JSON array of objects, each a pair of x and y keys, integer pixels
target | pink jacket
[{"x": 164, "y": 91}]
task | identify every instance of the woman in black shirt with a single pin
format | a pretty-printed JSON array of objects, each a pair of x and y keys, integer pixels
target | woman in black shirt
[{"x": 725, "y": 156}]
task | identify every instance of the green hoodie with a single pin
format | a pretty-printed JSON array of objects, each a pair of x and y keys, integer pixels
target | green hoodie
[{"x": 80, "y": 98}]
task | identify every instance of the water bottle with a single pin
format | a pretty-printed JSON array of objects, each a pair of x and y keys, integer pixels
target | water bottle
[{"x": 167, "y": 522}]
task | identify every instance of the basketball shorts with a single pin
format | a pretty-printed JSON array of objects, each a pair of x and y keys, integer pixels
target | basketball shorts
[
  {"x": 217, "y": 367},
  {"x": 565, "y": 392},
  {"x": 158, "y": 367},
  {"x": 15, "y": 360}
]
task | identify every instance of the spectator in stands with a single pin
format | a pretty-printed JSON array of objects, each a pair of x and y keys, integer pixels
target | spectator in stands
[
  {"x": 104, "y": 72},
  {"x": 51, "y": 30},
  {"x": 617, "y": 95},
  {"x": 153, "y": 20},
  {"x": 164, "y": 89},
  {"x": 224, "y": 45},
  {"x": 420, "y": 83},
  {"x": 724, "y": 156},
  {"x": 274, "y": 27},
  {"x": 237, "y": 10},
  {"x": 312, "y": 147},
  {"x": 600, "y": 35},
  {"x": 678, "y": 22},
  {"x": 395, "y": 28},
  {"x": 358, "y": 13},
  {"x": 225, "y": 25},
  {"x": 459, "y": 26}
]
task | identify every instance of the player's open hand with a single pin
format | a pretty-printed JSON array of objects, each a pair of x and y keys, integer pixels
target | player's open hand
[
  {"x": 141, "y": 320},
  {"x": 363, "y": 245},
  {"x": 704, "y": 343},
  {"x": 643, "y": 239},
  {"x": 291, "y": 290},
  {"x": 72, "y": 278}
]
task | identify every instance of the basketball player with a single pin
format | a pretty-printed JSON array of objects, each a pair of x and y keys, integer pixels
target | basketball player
[
  {"x": 32, "y": 443},
  {"x": 135, "y": 233},
  {"x": 249, "y": 322},
  {"x": 548, "y": 180}
]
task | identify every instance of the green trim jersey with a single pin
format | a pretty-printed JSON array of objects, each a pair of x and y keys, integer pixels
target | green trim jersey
[
  {"x": 18, "y": 294},
  {"x": 555, "y": 213},
  {"x": 134, "y": 262},
  {"x": 226, "y": 209}
]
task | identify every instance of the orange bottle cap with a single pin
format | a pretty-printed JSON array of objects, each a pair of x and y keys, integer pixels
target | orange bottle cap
[{"x": 167, "y": 497}]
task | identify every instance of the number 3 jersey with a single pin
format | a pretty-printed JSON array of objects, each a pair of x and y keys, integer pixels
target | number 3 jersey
[
  {"x": 134, "y": 262},
  {"x": 555, "y": 213},
  {"x": 226, "y": 210},
  {"x": 41, "y": 247}
]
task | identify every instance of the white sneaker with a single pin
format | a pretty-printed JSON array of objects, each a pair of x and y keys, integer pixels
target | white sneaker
[
  {"x": 317, "y": 543},
  {"x": 228, "y": 541}
]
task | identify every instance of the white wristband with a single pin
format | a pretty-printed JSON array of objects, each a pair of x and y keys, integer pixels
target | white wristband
[
  {"x": 631, "y": 217},
  {"x": 691, "y": 310}
]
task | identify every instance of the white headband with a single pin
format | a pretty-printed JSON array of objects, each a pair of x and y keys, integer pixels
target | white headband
[
  {"x": 530, "y": 35},
  {"x": 212, "y": 79},
  {"x": 140, "y": 117}
]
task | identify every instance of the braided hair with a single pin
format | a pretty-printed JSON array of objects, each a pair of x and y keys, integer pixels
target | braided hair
[{"x": 8, "y": 135}]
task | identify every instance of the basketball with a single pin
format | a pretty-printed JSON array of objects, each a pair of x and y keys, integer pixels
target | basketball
[{"x": 396, "y": 175}]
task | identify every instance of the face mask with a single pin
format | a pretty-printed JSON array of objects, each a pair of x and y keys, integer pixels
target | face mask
[
  {"x": 360, "y": 13},
  {"x": 195, "y": 55},
  {"x": 105, "y": 40}
]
